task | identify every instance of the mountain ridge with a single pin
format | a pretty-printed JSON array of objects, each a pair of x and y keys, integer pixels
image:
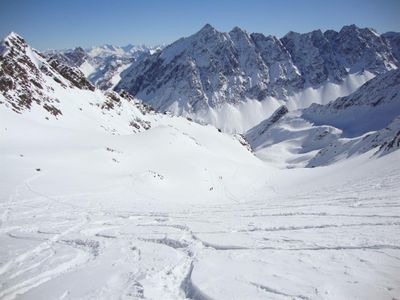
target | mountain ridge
[
  {"x": 211, "y": 73},
  {"x": 319, "y": 135},
  {"x": 103, "y": 64},
  {"x": 246, "y": 60},
  {"x": 49, "y": 91}
]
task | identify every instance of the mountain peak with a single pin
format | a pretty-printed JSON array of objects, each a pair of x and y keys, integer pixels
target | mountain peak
[
  {"x": 349, "y": 28},
  {"x": 291, "y": 34},
  {"x": 207, "y": 29},
  {"x": 12, "y": 34},
  {"x": 13, "y": 37},
  {"x": 79, "y": 50},
  {"x": 237, "y": 29},
  {"x": 12, "y": 40}
]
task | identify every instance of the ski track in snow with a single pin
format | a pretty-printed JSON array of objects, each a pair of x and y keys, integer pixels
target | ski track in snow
[{"x": 175, "y": 254}]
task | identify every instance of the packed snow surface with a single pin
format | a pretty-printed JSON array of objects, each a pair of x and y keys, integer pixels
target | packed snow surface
[{"x": 182, "y": 211}]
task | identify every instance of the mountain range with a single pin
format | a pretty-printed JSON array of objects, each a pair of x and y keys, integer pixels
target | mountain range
[
  {"x": 102, "y": 65},
  {"x": 304, "y": 100},
  {"x": 216, "y": 77}
]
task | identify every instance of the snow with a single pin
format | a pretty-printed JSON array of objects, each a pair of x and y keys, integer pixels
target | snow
[
  {"x": 87, "y": 69},
  {"x": 324, "y": 134},
  {"x": 33, "y": 57},
  {"x": 117, "y": 76},
  {"x": 210, "y": 76},
  {"x": 182, "y": 211},
  {"x": 94, "y": 208},
  {"x": 129, "y": 50},
  {"x": 369, "y": 108},
  {"x": 240, "y": 117},
  {"x": 290, "y": 142},
  {"x": 102, "y": 65}
]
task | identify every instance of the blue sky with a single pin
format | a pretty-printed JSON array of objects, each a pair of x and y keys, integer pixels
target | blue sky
[{"x": 69, "y": 23}]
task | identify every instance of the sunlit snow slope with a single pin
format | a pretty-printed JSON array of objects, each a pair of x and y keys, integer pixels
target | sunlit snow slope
[
  {"x": 181, "y": 211},
  {"x": 319, "y": 135}
]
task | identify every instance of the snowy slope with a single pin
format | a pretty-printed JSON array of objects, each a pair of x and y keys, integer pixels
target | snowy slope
[
  {"x": 126, "y": 220},
  {"x": 383, "y": 141},
  {"x": 290, "y": 141},
  {"x": 324, "y": 134},
  {"x": 371, "y": 107},
  {"x": 153, "y": 214}
]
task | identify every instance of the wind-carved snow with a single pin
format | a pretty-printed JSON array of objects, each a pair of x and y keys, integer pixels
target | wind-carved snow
[{"x": 238, "y": 118}]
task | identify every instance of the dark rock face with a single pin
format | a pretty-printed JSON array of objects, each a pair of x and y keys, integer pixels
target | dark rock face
[
  {"x": 391, "y": 144},
  {"x": 253, "y": 134},
  {"x": 25, "y": 74},
  {"x": 393, "y": 41},
  {"x": 76, "y": 56},
  {"x": 21, "y": 82},
  {"x": 74, "y": 75},
  {"x": 210, "y": 67}
]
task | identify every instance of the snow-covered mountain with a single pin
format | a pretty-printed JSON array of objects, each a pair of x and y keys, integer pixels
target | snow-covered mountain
[
  {"x": 50, "y": 91},
  {"x": 102, "y": 65},
  {"x": 50, "y": 103},
  {"x": 103, "y": 198},
  {"x": 369, "y": 108},
  {"x": 234, "y": 80},
  {"x": 323, "y": 134}
]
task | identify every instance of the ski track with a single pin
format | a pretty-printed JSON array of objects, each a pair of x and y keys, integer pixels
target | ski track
[{"x": 69, "y": 239}]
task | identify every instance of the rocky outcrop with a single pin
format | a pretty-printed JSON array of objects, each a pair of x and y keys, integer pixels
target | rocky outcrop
[
  {"x": 74, "y": 75},
  {"x": 21, "y": 75}
]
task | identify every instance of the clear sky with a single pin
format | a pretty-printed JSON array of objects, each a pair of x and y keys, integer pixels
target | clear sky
[{"x": 68, "y": 23}]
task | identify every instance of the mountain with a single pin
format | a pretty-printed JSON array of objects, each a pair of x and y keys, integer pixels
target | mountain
[
  {"x": 49, "y": 91},
  {"x": 367, "y": 119},
  {"x": 102, "y": 65},
  {"x": 380, "y": 142},
  {"x": 55, "y": 91},
  {"x": 101, "y": 197},
  {"x": 393, "y": 41},
  {"x": 27, "y": 78},
  {"x": 213, "y": 75},
  {"x": 52, "y": 114},
  {"x": 369, "y": 108}
]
